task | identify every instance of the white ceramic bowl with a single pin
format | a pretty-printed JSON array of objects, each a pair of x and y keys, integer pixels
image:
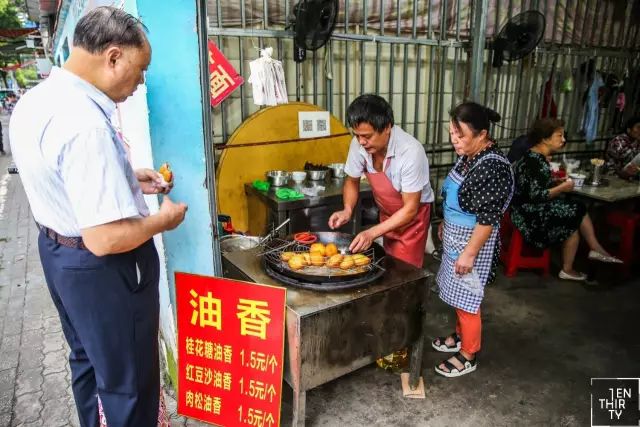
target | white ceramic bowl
[
  {"x": 298, "y": 176},
  {"x": 578, "y": 179}
]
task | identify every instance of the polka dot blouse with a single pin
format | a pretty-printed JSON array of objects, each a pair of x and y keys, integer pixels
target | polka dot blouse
[{"x": 486, "y": 187}]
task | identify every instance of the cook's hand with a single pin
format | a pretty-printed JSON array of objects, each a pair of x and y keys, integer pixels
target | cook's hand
[
  {"x": 567, "y": 185},
  {"x": 173, "y": 213},
  {"x": 362, "y": 242},
  {"x": 440, "y": 230},
  {"x": 152, "y": 182},
  {"x": 464, "y": 263},
  {"x": 338, "y": 219}
]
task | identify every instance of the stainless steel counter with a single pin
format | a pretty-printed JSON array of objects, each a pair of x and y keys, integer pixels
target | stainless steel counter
[{"x": 332, "y": 334}]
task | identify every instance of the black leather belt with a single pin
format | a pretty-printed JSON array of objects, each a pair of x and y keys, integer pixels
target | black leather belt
[{"x": 70, "y": 242}]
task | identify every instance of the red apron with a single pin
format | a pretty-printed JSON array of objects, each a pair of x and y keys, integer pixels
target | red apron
[{"x": 408, "y": 242}]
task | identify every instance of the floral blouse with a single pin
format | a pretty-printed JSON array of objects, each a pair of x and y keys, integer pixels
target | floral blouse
[{"x": 620, "y": 151}]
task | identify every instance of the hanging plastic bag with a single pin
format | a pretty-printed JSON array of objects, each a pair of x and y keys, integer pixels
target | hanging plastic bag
[
  {"x": 566, "y": 81},
  {"x": 567, "y": 84},
  {"x": 267, "y": 80}
]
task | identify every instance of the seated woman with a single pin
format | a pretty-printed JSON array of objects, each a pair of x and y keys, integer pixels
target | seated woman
[
  {"x": 623, "y": 148},
  {"x": 543, "y": 218}
]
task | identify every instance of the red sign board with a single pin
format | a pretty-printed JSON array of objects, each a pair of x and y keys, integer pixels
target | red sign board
[
  {"x": 223, "y": 78},
  {"x": 230, "y": 350}
]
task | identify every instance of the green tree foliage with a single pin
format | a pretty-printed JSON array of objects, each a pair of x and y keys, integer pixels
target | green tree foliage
[
  {"x": 9, "y": 14},
  {"x": 9, "y": 10},
  {"x": 23, "y": 75}
]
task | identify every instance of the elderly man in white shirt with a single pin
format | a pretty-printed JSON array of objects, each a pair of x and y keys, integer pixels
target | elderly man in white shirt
[
  {"x": 397, "y": 169},
  {"x": 96, "y": 245}
]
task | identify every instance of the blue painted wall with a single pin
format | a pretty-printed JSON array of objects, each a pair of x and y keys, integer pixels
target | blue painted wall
[{"x": 177, "y": 132}]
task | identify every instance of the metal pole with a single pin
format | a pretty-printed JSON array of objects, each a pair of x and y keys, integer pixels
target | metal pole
[
  {"x": 443, "y": 70},
  {"x": 328, "y": 96},
  {"x": 444, "y": 24},
  {"x": 488, "y": 76},
  {"x": 315, "y": 77},
  {"x": 363, "y": 47},
  {"x": 416, "y": 107},
  {"x": 209, "y": 152},
  {"x": 458, "y": 20},
  {"x": 428, "y": 126},
  {"x": 429, "y": 28},
  {"x": 223, "y": 104},
  {"x": 392, "y": 56},
  {"x": 518, "y": 98},
  {"x": 346, "y": 57},
  {"x": 378, "y": 48},
  {"x": 243, "y": 109},
  {"x": 478, "y": 38},
  {"x": 453, "y": 76}
]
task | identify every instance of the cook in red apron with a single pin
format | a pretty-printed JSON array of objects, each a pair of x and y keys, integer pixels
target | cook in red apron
[{"x": 408, "y": 242}]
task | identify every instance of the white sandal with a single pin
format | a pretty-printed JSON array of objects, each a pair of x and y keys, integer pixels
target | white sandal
[
  {"x": 597, "y": 256},
  {"x": 468, "y": 366},
  {"x": 580, "y": 277}
]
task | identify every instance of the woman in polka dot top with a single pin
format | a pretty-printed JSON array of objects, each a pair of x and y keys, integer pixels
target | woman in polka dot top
[{"x": 476, "y": 194}]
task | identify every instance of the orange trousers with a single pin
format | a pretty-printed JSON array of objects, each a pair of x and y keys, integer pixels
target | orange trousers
[{"x": 469, "y": 329}]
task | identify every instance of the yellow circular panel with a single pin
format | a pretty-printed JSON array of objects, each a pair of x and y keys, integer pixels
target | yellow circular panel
[{"x": 252, "y": 157}]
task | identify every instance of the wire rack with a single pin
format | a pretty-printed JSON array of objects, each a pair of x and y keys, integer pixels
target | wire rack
[{"x": 273, "y": 249}]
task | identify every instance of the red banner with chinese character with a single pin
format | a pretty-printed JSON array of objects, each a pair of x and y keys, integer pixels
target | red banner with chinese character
[
  {"x": 223, "y": 78},
  {"x": 230, "y": 350}
]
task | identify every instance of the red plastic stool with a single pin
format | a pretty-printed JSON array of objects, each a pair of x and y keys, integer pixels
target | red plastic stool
[
  {"x": 627, "y": 223},
  {"x": 516, "y": 254}
]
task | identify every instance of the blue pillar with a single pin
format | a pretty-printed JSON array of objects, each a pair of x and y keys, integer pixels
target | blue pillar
[{"x": 177, "y": 108}]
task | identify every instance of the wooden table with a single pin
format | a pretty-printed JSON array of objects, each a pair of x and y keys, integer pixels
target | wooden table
[{"x": 617, "y": 190}]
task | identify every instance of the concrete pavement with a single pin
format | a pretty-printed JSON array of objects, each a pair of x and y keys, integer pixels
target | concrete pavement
[{"x": 34, "y": 373}]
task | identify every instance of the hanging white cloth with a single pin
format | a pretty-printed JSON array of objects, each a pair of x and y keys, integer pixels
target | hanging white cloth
[{"x": 267, "y": 80}]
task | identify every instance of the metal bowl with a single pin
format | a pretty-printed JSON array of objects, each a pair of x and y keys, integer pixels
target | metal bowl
[
  {"x": 337, "y": 169},
  {"x": 317, "y": 175},
  {"x": 278, "y": 178},
  {"x": 238, "y": 242}
]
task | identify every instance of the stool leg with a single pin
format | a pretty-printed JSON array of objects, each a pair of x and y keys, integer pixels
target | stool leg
[
  {"x": 547, "y": 262},
  {"x": 513, "y": 255}
]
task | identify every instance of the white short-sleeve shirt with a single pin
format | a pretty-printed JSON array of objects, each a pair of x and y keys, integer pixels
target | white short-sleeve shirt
[
  {"x": 72, "y": 163},
  {"x": 408, "y": 168}
]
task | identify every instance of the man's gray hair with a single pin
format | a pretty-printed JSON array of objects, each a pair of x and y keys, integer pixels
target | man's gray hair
[{"x": 108, "y": 26}]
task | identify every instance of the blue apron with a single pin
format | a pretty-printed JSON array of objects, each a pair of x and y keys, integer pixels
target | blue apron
[{"x": 463, "y": 292}]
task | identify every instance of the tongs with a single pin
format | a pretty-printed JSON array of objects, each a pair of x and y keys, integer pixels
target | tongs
[{"x": 268, "y": 236}]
